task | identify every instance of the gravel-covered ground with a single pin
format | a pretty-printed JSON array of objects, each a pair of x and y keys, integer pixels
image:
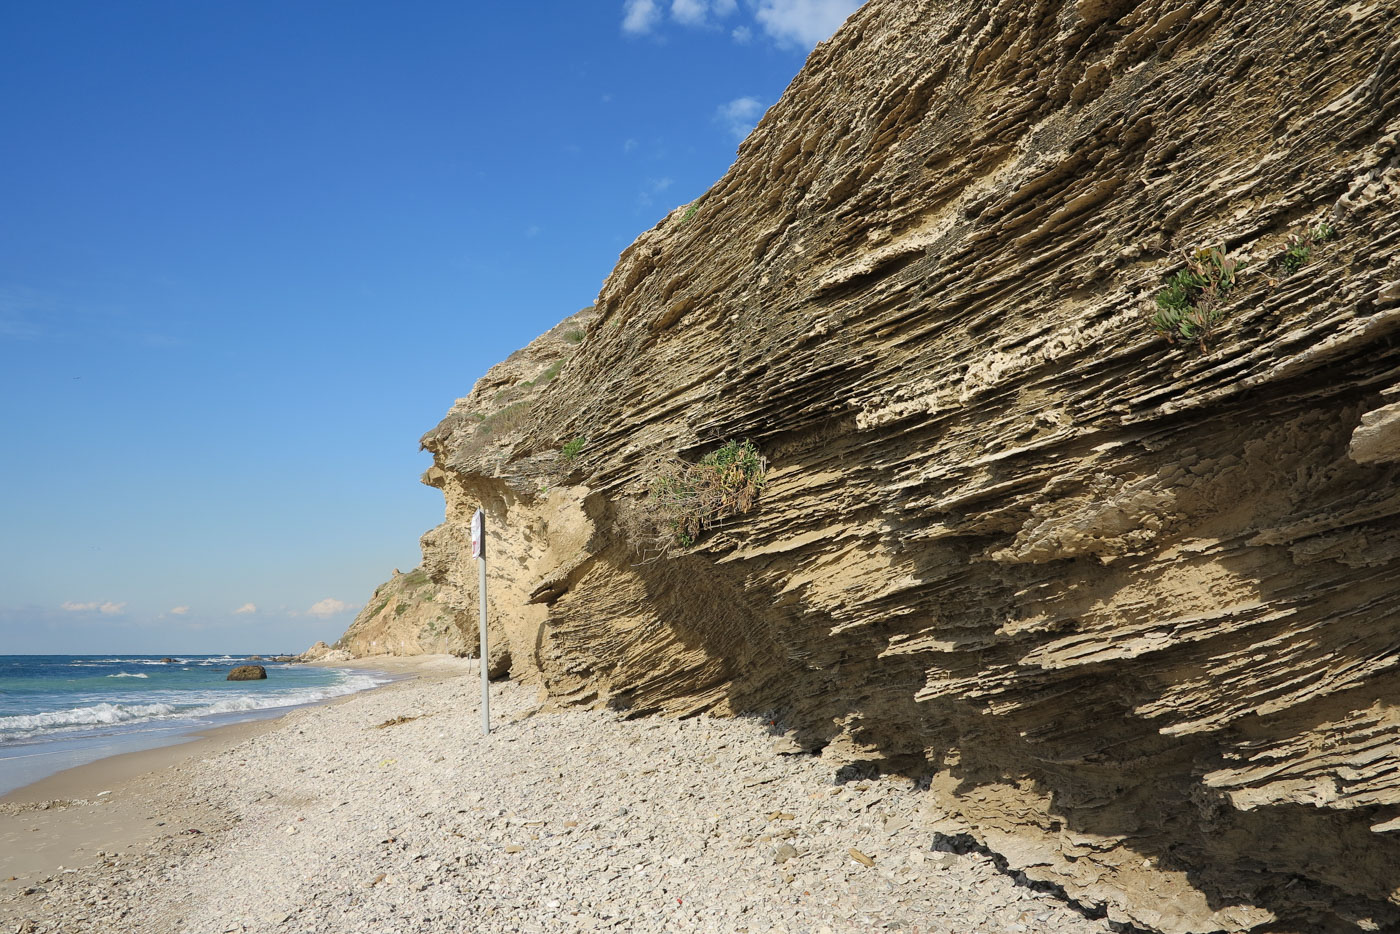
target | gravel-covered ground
[{"x": 577, "y": 821}]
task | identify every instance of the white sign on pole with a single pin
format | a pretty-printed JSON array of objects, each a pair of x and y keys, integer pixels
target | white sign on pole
[{"x": 479, "y": 552}]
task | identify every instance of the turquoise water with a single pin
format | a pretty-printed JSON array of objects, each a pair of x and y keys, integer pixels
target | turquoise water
[{"x": 57, "y": 711}]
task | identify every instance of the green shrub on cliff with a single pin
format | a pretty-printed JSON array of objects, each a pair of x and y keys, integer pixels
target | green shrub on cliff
[
  {"x": 1298, "y": 250},
  {"x": 503, "y": 422},
  {"x": 1190, "y": 306},
  {"x": 684, "y": 500},
  {"x": 572, "y": 449}
]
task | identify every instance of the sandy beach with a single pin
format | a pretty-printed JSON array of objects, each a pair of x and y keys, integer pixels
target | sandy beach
[{"x": 389, "y": 811}]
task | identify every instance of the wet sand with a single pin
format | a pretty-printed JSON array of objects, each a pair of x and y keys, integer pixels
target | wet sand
[
  {"x": 388, "y": 812},
  {"x": 127, "y": 801}
]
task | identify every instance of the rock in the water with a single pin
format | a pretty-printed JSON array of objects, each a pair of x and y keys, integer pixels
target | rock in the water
[
  {"x": 247, "y": 673},
  {"x": 168, "y": 660}
]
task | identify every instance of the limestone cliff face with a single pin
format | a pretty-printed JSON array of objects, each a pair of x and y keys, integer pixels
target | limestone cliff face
[
  {"x": 1133, "y": 605},
  {"x": 406, "y": 616}
]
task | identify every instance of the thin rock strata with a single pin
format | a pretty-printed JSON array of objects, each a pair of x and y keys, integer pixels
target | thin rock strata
[{"x": 1128, "y": 605}]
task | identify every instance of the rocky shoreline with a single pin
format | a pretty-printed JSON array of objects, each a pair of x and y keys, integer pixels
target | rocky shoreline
[{"x": 388, "y": 811}]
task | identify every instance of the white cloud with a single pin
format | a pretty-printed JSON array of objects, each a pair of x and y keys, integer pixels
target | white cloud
[
  {"x": 792, "y": 23},
  {"x": 328, "y": 607},
  {"x": 245, "y": 609},
  {"x": 629, "y": 144},
  {"x": 108, "y": 607},
  {"x": 690, "y": 12},
  {"x": 652, "y": 188},
  {"x": 803, "y": 22},
  {"x": 697, "y": 12},
  {"x": 639, "y": 16},
  {"x": 740, "y": 115},
  {"x": 179, "y": 610}
]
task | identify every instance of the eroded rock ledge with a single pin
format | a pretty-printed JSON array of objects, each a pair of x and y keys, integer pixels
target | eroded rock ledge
[{"x": 1133, "y": 606}]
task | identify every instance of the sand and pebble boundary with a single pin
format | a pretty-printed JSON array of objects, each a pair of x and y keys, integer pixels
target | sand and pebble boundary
[{"x": 388, "y": 811}]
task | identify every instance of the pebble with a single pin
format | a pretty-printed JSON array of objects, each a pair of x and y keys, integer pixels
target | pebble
[{"x": 570, "y": 821}]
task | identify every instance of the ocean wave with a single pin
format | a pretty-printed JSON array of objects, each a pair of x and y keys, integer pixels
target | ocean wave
[
  {"x": 83, "y": 716},
  {"x": 173, "y": 705},
  {"x": 129, "y": 674}
]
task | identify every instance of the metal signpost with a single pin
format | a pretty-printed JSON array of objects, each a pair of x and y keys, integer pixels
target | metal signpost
[{"x": 479, "y": 553}]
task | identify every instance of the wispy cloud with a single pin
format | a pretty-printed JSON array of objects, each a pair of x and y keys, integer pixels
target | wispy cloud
[
  {"x": 653, "y": 187},
  {"x": 740, "y": 115},
  {"x": 803, "y": 22},
  {"x": 329, "y": 607},
  {"x": 29, "y": 314},
  {"x": 106, "y": 607},
  {"x": 20, "y": 312},
  {"x": 639, "y": 16},
  {"x": 690, "y": 12},
  {"x": 790, "y": 23},
  {"x": 700, "y": 12},
  {"x": 179, "y": 610},
  {"x": 245, "y": 609}
]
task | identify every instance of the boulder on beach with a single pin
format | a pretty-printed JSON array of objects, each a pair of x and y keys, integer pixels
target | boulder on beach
[
  {"x": 247, "y": 673},
  {"x": 315, "y": 652}
]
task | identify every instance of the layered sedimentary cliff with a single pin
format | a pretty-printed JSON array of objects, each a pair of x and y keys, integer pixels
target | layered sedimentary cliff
[
  {"x": 406, "y": 615},
  {"x": 1131, "y": 604}
]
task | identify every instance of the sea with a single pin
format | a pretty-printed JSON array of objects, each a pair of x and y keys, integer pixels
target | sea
[{"x": 60, "y": 711}]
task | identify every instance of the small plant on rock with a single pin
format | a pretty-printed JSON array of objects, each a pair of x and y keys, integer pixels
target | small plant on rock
[
  {"x": 506, "y": 420},
  {"x": 547, "y": 377},
  {"x": 1190, "y": 306},
  {"x": 1299, "y": 248},
  {"x": 684, "y": 500},
  {"x": 571, "y": 449}
]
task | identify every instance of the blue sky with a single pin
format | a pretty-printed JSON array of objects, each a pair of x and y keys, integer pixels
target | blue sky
[{"x": 250, "y": 252}]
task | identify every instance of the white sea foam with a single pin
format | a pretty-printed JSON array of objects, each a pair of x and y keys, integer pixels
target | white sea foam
[
  {"x": 170, "y": 705},
  {"x": 128, "y": 674},
  {"x": 82, "y": 716}
]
